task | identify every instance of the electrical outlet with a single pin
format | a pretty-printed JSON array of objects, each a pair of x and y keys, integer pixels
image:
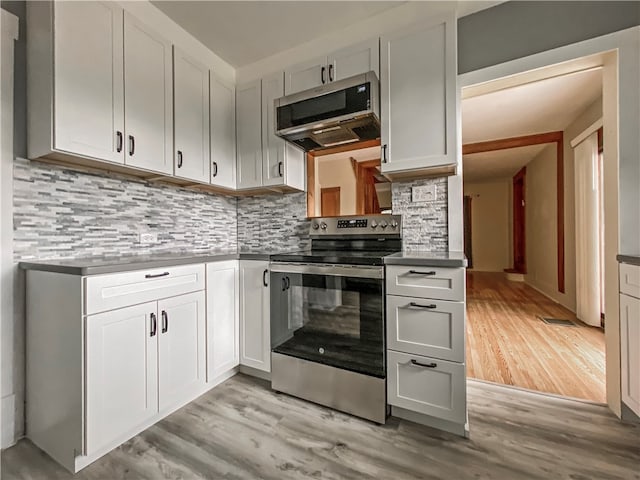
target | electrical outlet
[
  {"x": 147, "y": 238},
  {"x": 425, "y": 193}
]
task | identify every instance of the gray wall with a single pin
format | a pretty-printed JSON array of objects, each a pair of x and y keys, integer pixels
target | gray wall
[{"x": 517, "y": 29}]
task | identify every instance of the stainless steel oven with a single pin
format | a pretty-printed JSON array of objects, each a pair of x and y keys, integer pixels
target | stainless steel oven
[{"x": 328, "y": 319}]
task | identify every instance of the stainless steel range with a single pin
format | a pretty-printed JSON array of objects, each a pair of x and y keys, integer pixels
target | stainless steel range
[{"x": 327, "y": 315}]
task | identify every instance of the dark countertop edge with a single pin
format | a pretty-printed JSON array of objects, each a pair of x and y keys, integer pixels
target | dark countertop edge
[
  {"x": 630, "y": 259},
  {"x": 425, "y": 261}
]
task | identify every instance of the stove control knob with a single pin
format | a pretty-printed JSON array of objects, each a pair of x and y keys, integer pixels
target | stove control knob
[
  {"x": 315, "y": 225},
  {"x": 394, "y": 224},
  {"x": 323, "y": 226},
  {"x": 374, "y": 224},
  {"x": 383, "y": 224}
]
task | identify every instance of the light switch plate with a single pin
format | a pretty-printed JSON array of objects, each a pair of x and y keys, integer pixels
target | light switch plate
[{"x": 424, "y": 193}]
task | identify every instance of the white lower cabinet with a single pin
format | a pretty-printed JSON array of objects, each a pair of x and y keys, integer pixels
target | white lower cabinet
[
  {"x": 427, "y": 385},
  {"x": 630, "y": 335},
  {"x": 255, "y": 330},
  {"x": 222, "y": 318},
  {"x": 121, "y": 373}
]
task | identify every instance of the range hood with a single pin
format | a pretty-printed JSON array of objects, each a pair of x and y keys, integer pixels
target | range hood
[{"x": 338, "y": 113}]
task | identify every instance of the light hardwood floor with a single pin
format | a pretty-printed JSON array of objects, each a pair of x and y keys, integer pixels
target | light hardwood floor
[
  {"x": 243, "y": 430},
  {"x": 507, "y": 343}
]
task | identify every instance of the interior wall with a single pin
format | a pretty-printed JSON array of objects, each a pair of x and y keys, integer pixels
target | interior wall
[
  {"x": 337, "y": 173},
  {"x": 490, "y": 224}
]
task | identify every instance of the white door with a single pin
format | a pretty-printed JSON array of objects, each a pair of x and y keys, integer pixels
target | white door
[
  {"x": 181, "y": 348},
  {"x": 121, "y": 372},
  {"x": 249, "y": 135},
  {"x": 191, "y": 117},
  {"x": 222, "y": 318},
  {"x": 255, "y": 328},
  {"x": 89, "y": 95},
  {"x": 418, "y": 97},
  {"x": 305, "y": 75},
  {"x": 148, "y": 98},
  {"x": 273, "y": 147},
  {"x": 630, "y": 339},
  {"x": 354, "y": 60},
  {"x": 223, "y": 133}
]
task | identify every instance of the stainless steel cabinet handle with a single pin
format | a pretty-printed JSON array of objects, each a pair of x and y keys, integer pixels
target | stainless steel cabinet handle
[
  {"x": 149, "y": 275},
  {"x": 179, "y": 159},
  {"x": 426, "y": 365},
  {"x": 417, "y": 305},
  {"x": 118, "y": 141},
  {"x": 331, "y": 72},
  {"x": 264, "y": 278},
  {"x": 154, "y": 325},
  {"x": 384, "y": 153},
  {"x": 165, "y": 322},
  {"x": 132, "y": 145},
  {"x": 215, "y": 169},
  {"x": 322, "y": 75},
  {"x": 416, "y": 272}
]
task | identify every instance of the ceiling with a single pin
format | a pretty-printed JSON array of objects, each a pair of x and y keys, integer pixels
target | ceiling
[
  {"x": 243, "y": 32},
  {"x": 543, "y": 106}
]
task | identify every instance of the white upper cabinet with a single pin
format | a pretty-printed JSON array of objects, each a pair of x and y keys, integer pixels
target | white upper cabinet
[
  {"x": 354, "y": 60},
  {"x": 273, "y": 147},
  {"x": 222, "y": 98},
  {"x": 418, "y": 98},
  {"x": 148, "y": 98},
  {"x": 249, "y": 135},
  {"x": 191, "y": 117},
  {"x": 88, "y": 112},
  {"x": 338, "y": 65}
]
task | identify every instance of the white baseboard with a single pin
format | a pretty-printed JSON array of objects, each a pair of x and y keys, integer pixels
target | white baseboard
[
  {"x": 554, "y": 300},
  {"x": 7, "y": 435}
]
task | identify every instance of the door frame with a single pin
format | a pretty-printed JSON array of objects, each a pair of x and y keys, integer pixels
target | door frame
[
  {"x": 619, "y": 55},
  {"x": 520, "y": 224}
]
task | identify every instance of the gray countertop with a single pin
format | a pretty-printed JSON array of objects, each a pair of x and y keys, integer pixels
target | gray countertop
[
  {"x": 630, "y": 259},
  {"x": 427, "y": 259}
]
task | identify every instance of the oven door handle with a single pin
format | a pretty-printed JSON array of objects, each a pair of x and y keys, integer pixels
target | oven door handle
[{"x": 331, "y": 270}]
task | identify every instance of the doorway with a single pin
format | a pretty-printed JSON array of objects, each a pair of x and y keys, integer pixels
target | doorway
[
  {"x": 519, "y": 236},
  {"x": 330, "y": 201}
]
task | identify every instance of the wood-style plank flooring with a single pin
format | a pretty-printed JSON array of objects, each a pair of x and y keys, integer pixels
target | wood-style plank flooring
[
  {"x": 243, "y": 430},
  {"x": 507, "y": 343}
]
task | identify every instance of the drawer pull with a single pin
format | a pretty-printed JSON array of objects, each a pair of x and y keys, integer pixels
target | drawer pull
[
  {"x": 416, "y": 272},
  {"x": 426, "y": 365},
  {"x": 417, "y": 305},
  {"x": 157, "y": 275}
]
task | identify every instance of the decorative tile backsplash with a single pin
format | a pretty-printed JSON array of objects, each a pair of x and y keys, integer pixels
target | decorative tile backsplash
[
  {"x": 273, "y": 222},
  {"x": 61, "y": 213},
  {"x": 424, "y": 223}
]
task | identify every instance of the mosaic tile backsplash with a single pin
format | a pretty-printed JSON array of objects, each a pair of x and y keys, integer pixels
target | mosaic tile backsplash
[
  {"x": 273, "y": 222},
  {"x": 61, "y": 213},
  {"x": 424, "y": 223}
]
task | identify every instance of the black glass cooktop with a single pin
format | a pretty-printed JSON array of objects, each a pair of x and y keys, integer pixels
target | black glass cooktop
[{"x": 367, "y": 257}]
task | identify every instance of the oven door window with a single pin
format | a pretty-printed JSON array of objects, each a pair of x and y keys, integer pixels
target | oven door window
[{"x": 336, "y": 321}]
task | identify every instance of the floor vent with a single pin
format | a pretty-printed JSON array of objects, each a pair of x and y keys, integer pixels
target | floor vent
[{"x": 558, "y": 321}]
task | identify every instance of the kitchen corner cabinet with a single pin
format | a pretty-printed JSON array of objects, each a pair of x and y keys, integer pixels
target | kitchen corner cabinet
[
  {"x": 264, "y": 159},
  {"x": 347, "y": 62},
  {"x": 222, "y": 98},
  {"x": 223, "y": 327},
  {"x": 191, "y": 117},
  {"x": 255, "y": 329},
  {"x": 418, "y": 100}
]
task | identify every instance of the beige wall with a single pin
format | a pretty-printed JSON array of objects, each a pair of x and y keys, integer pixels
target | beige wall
[
  {"x": 490, "y": 224},
  {"x": 337, "y": 173},
  {"x": 541, "y": 217}
]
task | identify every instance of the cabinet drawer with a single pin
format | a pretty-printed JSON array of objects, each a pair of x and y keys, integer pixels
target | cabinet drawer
[
  {"x": 438, "y": 390},
  {"x": 108, "y": 292},
  {"x": 426, "y": 282},
  {"x": 630, "y": 279},
  {"x": 434, "y": 328}
]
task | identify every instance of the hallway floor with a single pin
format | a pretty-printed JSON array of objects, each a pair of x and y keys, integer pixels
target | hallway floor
[{"x": 507, "y": 343}]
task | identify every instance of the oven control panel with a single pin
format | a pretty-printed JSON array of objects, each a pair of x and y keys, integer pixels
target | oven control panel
[{"x": 362, "y": 226}]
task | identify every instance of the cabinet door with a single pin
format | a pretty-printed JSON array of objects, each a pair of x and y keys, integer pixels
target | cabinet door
[
  {"x": 418, "y": 97},
  {"x": 305, "y": 75},
  {"x": 630, "y": 339},
  {"x": 222, "y": 318},
  {"x": 148, "y": 98},
  {"x": 255, "y": 334},
  {"x": 181, "y": 348},
  {"x": 249, "y": 135},
  {"x": 223, "y": 133},
  {"x": 354, "y": 60},
  {"x": 273, "y": 147},
  {"x": 89, "y": 95},
  {"x": 191, "y": 117},
  {"x": 121, "y": 373}
]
